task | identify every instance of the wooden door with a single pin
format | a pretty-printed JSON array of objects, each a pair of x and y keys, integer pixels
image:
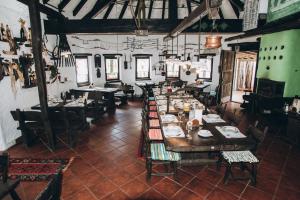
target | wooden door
[{"x": 227, "y": 61}]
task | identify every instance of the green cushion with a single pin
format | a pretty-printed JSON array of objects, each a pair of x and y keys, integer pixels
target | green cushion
[
  {"x": 158, "y": 152},
  {"x": 151, "y": 98}
]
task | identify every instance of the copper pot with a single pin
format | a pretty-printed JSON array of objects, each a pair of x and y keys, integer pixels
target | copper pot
[{"x": 213, "y": 41}]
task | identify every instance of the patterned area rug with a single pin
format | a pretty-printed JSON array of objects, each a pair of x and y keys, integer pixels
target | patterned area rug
[{"x": 36, "y": 169}]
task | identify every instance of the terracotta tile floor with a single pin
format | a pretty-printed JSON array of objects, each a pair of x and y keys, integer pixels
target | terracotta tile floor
[{"x": 106, "y": 167}]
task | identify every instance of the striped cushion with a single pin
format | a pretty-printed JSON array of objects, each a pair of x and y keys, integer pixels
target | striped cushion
[
  {"x": 151, "y": 98},
  {"x": 153, "y": 115},
  {"x": 152, "y": 103},
  {"x": 158, "y": 152},
  {"x": 239, "y": 156},
  {"x": 152, "y": 108},
  {"x": 155, "y": 134},
  {"x": 154, "y": 123}
]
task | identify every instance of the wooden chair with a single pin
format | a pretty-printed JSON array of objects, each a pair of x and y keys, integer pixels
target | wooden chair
[
  {"x": 233, "y": 118},
  {"x": 220, "y": 109},
  {"x": 30, "y": 124},
  {"x": 156, "y": 154},
  {"x": 245, "y": 159},
  {"x": 53, "y": 188},
  {"x": 7, "y": 186},
  {"x": 128, "y": 89}
]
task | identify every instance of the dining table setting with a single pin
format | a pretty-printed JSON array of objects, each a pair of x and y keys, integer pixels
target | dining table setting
[{"x": 187, "y": 129}]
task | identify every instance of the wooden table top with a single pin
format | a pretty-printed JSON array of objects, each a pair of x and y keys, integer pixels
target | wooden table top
[{"x": 195, "y": 143}]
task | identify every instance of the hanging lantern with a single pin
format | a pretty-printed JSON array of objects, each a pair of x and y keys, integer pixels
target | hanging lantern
[{"x": 213, "y": 42}]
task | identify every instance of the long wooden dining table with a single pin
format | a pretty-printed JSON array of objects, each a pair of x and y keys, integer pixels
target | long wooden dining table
[{"x": 193, "y": 144}]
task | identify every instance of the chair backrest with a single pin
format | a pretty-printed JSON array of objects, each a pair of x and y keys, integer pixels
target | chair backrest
[
  {"x": 53, "y": 189},
  {"x": 4, "y": 161},
  {"x": 257, "y": 135},
  {"x": 233, "y": 118},
  {"x": 221, "y": 109}
]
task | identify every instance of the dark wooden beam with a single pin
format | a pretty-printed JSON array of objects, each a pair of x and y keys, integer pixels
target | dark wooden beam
[
  {"x": 99, "y": 6},
  {"x": 137, "y": 8},
  {"x": 36, "y": 30},
  {"x": 45, "y": 1},
  {"x": 163, "y": 9},
  {"x": 45, "y": 9},
  {"x": 110, "y": 7},
  {"x": 78, "y": 7},
  {"x": 245, "y": 46},
  {"x": 150, "y": 9},
  {"x": 287, "y": 23},
  {"x": 189, "y": 6},
  {"x": 123, "y": 9},
  {"x": 192, "y": 18},
  {"x": 128, "y": 26},
  {"x": 173, "y": 11},
  {"x": 63, "y": 4}
]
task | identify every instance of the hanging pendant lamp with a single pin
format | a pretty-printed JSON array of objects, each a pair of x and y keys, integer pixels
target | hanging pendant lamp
[{"x": 213, "y": 41}]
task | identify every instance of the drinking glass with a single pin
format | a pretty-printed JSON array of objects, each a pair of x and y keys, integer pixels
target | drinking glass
[{"x": 72, "y": 97}]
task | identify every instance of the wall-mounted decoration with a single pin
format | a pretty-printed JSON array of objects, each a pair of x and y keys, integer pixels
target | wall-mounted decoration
[
  {"x": 98, "y": 73},
  {"x": 250, "y": 20},
  {"x": 23, "y": 31},
  {"x": 125, "y": 63},
  {"x": 8, "y": 37},
  {"x": 279, "y": 9},
  {"x": 97, "y": 59},
  {"x": 26, "y": 66},
  {"x": 62, "y": 54}
]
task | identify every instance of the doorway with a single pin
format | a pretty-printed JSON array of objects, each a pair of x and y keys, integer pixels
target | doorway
[{"x": 244, "y": 75}]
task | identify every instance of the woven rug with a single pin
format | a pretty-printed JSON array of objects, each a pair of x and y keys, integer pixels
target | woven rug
[{"x": 36, "y": 169}]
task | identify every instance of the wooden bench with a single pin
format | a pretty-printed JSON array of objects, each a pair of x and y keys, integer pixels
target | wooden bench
[{"x": 62, "y": 121}]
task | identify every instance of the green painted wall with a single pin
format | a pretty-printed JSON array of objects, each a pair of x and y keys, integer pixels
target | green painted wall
[
  {"x": 282, "y": 8},
  {"x": 280, "y": 52}
]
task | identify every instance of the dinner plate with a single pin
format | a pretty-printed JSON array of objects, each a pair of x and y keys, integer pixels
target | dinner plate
[
  {"x": 173, "y": 131},
  {"x": 213, "y": 116},
  {"x": 168, "y": 118},
  {"x": 230, "y": 129},
  {"x": 204, "y": 133}
]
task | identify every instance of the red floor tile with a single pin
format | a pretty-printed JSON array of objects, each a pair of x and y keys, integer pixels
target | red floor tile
[
  {"x": 200, "y": 187},
  {"x": 167, "y": 187},
  {"x": 103, "y": 188},
  {"x": 219, "y": 194},
  {"x": 255, "y": 194},
  {"x": 134, "y": 188},
  {"x": 186, "y": 195}
]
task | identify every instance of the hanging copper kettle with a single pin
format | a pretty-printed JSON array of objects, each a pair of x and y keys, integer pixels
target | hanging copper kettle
[{"x": 213, "y": 41}]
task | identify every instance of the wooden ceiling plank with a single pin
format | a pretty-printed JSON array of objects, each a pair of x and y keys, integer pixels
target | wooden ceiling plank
[
  {"x": 173, "y": 10},
  {"x": 150, "y": 9},
  {"x": 78, "y": 7},
  {"x": 45, "y": 9},
  {"x": 192, "y": 18},
  {"x": 109, "y": 9},
  {"x": 99, "y": 6},
  {"x": 189, "y": 6},
  {"x": 123, "y": 9},
  {"x": 163, "y": 9},
  {"x": 63, "y": 4},
  {"x": 137, "y": 8}
]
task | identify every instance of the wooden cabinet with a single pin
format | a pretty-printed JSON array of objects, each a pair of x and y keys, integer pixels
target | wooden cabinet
[{"x": 293, "y": 128}]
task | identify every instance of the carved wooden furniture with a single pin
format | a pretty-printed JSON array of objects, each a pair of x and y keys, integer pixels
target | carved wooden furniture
[{"x": 7, "y": 186}]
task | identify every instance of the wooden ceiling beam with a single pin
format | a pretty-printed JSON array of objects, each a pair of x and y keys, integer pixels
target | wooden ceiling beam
[
  {"x": 137, "y": 8},
  {"x": 150, "y": 9},
  {"x": 173, "y": 11},
  {"x": 109, "y": 9},
  {"x": 78, "y": 7},
  {"x": 189, "y": 6},
  {"x": 123, "y": 9},
  {"x": 163, "y": 9},
  {"x": 192, "y": 18},
  {"x": 63, "y": 4},
  {"x": 128, "y": 26},
  {"x": 45, "y": 9},
  {"x": 99, "y": 6}
]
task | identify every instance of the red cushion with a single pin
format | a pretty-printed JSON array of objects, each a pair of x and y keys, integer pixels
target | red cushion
[
  {"x": 155, "y": 134},
  {"x": 154, "y": 123},
  {"x": 152, "y": 108},
  {"x": 153, "y": 115},
  {"x": 152, "y": 103}
]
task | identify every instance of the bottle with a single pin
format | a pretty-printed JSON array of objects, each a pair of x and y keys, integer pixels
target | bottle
[{"x": 192, "y": 113}]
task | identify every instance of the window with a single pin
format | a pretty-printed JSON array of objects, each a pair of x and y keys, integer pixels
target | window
[
  {"x": 142, "y": 68},
  {"x": 173, "y": 71},
  {"x": 82, "y": 71},
  {"x": 205, "y": 69},
  {"x": 112, "y": 68}
]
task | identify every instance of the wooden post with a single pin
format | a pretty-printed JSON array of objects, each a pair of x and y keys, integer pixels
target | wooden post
[{"x": 35, "y": 20}]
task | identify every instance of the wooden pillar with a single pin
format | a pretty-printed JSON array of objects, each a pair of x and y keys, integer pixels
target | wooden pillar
[{"x": 36, "y": 29}]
